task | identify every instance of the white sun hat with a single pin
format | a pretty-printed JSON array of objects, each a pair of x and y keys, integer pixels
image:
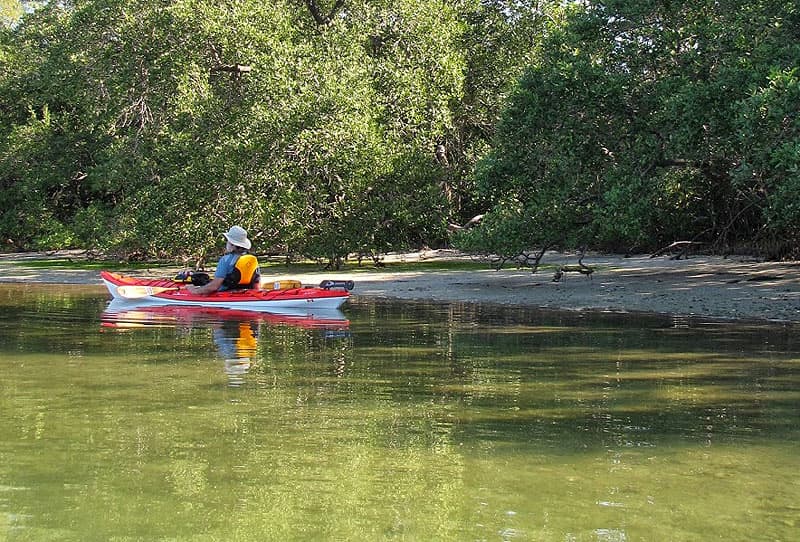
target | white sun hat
[{"x": 237, "y": 236}]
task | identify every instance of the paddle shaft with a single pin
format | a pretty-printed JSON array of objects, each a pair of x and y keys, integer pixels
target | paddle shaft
[{"x": 136, "y": 292}]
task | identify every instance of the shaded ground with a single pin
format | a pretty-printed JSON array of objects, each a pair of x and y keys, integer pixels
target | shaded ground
[{"x": 714, "y": 287}]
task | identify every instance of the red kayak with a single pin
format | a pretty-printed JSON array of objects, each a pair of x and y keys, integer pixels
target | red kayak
[{"x": 330, "y": 294}]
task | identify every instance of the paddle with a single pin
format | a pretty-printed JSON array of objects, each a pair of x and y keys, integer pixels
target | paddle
[{"x": 136, "y": 292}]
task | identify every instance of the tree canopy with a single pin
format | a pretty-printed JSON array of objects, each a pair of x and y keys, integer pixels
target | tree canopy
[
  {"x": 645, "y": 122},
  {"x": 334, "y": 127}
]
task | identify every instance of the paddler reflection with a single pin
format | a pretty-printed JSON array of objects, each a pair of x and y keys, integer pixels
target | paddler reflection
[
  {"x": 235, "y": 333},
  {"x": 237, "y": 343}
]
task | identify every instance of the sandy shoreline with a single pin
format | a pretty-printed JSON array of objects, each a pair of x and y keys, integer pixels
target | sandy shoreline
[{"x": 703, "y": 286}]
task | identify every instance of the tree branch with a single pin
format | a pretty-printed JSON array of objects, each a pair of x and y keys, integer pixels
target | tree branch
[{"x": 320, "y": 18}]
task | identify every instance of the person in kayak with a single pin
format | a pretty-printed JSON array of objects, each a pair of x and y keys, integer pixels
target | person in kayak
[{"x": 236, "y": 269}]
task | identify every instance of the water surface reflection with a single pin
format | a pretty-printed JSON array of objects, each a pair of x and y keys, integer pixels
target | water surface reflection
[
  {"x": 409, "y": 421},
  {"x": 234, "y": 332}
]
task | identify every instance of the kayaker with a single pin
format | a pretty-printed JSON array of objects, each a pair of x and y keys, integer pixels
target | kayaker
[{"x": 236, "y": 269}]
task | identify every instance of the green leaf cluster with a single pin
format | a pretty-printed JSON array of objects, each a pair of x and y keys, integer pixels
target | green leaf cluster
[{"x": 647, "y": 122}]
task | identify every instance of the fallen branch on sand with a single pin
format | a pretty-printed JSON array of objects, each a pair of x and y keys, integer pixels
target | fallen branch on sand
[
  {"x": 682, "y": 247},
  {"x": 583, "y": 269}
]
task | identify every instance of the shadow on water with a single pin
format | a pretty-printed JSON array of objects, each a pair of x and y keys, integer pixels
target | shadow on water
[{"x": 592, "y": 379}]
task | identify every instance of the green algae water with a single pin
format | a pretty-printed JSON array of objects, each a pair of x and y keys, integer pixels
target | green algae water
[{"x": 391, "y": 421}]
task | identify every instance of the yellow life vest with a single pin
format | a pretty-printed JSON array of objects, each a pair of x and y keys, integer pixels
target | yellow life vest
[
  {"x": 246, "y": 343},
  {"x": 245, "y": 273}
]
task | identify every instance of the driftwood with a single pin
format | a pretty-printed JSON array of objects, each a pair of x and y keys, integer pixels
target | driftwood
[
  {"x": 583, "y": 269},
  {"x": 682, "y": 247},
  {"x": 523, "y": 259}
]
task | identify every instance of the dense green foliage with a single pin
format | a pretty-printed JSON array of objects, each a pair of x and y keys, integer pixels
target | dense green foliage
[
  {"x": 646, "y": 122},
  {"x": 130, "y": 126},
  {"x": 326, "y": 128}
]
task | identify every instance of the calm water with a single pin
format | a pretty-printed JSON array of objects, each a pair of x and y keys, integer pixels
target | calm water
[{"x": 392, "y": 422}]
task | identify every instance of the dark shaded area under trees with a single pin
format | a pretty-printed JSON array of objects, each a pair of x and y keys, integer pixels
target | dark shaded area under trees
[{"x": 328, "y": 128}]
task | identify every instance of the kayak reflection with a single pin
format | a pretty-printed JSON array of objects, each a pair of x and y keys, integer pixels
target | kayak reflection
[
  {"x": 127, "y": 314},
  {"x": 235, "y": 333}
]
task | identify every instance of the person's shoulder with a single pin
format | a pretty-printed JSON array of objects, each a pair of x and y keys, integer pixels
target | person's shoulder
[{"x": 225, "y": 265}]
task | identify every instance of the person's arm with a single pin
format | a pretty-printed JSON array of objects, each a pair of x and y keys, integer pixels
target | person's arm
[
  {"x": 224, "y": 266},
  {"x": 209, "y": 288}
]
